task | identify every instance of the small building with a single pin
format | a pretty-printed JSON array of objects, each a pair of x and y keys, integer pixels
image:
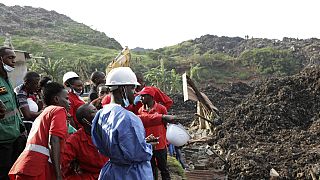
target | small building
[{"x": 20, "y": 70}]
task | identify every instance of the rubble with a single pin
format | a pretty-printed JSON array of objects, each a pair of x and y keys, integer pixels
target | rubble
[{"x": 275, "y": 127}]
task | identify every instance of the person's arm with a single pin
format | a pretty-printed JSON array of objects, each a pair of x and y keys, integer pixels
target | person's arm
[
  {"x": 149, "y": 120},
  {"x": 27, "y": 114},
  {"x": 57, "y": 131},
  {"x": 54, "y": 149}
]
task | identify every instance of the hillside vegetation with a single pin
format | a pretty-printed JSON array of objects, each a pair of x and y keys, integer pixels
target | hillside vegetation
[
  {"x": 209, "y": 59},
  {"x": 37, "y": 22}
]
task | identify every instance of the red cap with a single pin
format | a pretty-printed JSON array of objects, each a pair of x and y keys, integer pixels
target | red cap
[{"x": 147, "y": 90}]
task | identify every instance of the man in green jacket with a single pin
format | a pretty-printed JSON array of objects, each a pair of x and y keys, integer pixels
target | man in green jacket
[{"x": 11, "y": 124}]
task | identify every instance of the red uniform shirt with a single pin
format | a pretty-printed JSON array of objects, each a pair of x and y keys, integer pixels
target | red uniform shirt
[
  {"x": 106, "y": 100},
  {"x": 75, "y": 103},
  {"x": 158, "y": 130},
  {"x": 79, "y": 146},
  {"x": 52, "y": 121},
  {"x": 159, "y": 97},
  {"x": 162, "y": 98}
]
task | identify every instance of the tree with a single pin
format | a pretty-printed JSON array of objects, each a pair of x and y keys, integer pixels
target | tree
[
  {"x": 49, "y": 67},
  {"x": 167, "y": 81}
]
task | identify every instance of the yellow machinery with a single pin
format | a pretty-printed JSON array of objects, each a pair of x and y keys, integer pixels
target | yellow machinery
[{"x": 122, "y": 60}]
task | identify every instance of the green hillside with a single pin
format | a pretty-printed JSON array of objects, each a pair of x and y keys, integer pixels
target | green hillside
[
  {"x": 37, "y": 22},
  {"x": 67, "y": 45},
  {"x": 80, "y": 58}
]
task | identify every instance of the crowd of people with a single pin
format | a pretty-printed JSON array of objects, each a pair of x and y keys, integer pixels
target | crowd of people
[{"x": 47, "y": 131}]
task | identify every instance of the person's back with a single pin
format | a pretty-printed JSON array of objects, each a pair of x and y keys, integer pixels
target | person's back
[
  {"x": 81, "y": 159},
  {"x": 119, "y": 134},
  {"x": 48, "y": 122},
  {"x": 79, "y": 146},
  {"x": 41, "y": 157}
]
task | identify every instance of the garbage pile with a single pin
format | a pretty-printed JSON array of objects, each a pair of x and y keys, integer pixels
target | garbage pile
[
  {"x": 276, "y": 127},
  {"x": 223, "y": 99}
]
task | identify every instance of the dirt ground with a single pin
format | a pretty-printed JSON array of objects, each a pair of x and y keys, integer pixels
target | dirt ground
[{"x": 270, "y": 124}]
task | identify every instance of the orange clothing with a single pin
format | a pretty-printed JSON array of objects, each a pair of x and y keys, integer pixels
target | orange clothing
[
  {"x": 159, "y": 130},
  {"x": 79, "y": 146},
  {"x": 75, "y": 103},
  {"x": 52, "y": 121}
]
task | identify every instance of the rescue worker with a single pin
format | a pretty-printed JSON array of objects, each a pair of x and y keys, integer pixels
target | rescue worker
[
  {"x": 159, "y": 96},
  {"x": 74, "y": 85},
  {"x": 159, "y": 157},
  {"x": 41, "y": 158},
  {"x": 119, "y": 134},
  {"x": 27, "y": 94},
  {"x": 11, "y": 126},
  {"x": 81, "y": 159},
  {"x": 96, "y": 78}
]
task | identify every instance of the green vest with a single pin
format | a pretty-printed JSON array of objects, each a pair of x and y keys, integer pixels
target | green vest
[{"x": 10, "y": 124}]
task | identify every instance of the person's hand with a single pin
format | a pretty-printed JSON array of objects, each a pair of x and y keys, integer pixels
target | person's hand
[
  {"x": 169, "y": 118},
  {"x": 152, "y": 140},
  {"x": 137, "y": 99}
]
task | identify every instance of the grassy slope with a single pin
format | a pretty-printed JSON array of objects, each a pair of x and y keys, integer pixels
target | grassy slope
[{"x": 93, "y": 56}]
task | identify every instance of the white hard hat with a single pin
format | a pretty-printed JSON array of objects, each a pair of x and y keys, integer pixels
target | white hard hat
[
  {"x": 177, "y": 135},
  {"x": 121, "y": 76},
  {"x": 32, "y": 105},
  {"x": 69, "y": 75}
]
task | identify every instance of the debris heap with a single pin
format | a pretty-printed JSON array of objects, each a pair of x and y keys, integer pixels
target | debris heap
[{"x": 277, "y": 126}]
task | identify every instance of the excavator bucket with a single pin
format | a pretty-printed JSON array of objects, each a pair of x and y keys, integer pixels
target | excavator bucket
[{"x": 122, "y": 60}]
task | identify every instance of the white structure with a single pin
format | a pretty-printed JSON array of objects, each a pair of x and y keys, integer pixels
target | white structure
[{"x": 20, "y": 70}]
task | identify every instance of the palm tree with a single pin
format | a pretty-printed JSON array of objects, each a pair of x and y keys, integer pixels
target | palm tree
[{"x": 49, "y": 67}]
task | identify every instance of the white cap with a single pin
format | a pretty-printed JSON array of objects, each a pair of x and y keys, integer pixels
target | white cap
[
  {"x": 121, "y": 76},
  {"x": 68, "y": 76}
]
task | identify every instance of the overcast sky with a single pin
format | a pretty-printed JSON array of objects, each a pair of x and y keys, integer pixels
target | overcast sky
[{"x": 159, "y": 23}]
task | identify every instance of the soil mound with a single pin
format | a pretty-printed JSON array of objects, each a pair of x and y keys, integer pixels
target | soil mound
[{"x": 276, "y": 126}]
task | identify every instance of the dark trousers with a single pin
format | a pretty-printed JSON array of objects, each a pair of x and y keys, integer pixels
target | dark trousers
[
  {"x": 9, "y": 153},
  {"x": 179, "y": 156},
  {"x": 159, "y": 159}
]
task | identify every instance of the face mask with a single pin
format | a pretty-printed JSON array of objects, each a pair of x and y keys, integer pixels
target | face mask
[
  {"x": 77, "y": 93},
  {"x": 125, "y": 99},
  {"x": 7, "y": 68},
  {"x": 126, "y": 102}
]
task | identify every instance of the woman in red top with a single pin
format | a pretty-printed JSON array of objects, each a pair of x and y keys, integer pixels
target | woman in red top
[
  {"x": 40, "y": 160},
  {"x": 74, "y": 85}
]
